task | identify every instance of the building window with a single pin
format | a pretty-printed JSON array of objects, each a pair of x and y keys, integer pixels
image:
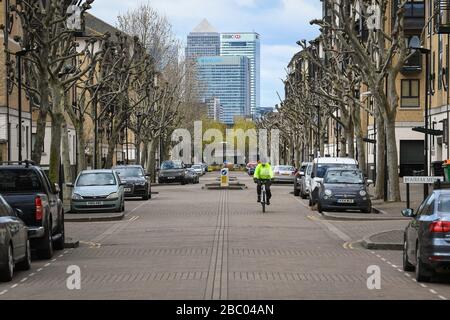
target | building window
[{"x": 410, "y": 95}]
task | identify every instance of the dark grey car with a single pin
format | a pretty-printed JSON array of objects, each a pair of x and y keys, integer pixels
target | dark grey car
[
  {"x": 14, "y": 244},
  {"x": 137, "y": 182},
  {"x": 173, "y": 171},
  {"x": 344, "y": 189},
  {"x": 426, "y": 247}
]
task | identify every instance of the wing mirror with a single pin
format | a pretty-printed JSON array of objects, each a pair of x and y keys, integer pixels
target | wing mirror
[
  {"x": 57, "y": 189},
  {"x": 369, "y": 182},
  {"x": 318, "y": 180},
  {"x": 409, "y": 213},
  {"x": 68, "y": 185}
]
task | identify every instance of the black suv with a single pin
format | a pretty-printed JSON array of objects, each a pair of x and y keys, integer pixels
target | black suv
[
  {"x": 137, "y": 182},
  {"x": 26, "y": 187}
]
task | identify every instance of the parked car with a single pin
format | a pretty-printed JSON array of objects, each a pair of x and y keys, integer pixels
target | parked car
[
  {"x": 26, "y": 187},
  {"x": 97, "y": 190},
  {"x": 172, "y": 171},
  {"x": 192, "y": 176},
  {"x": 199, "y": 169},
  {"x": 137, "y": 182},
  {"x": 205, "y": 167},
  {"x": 15, "y": 251},
  {"x": 301, "y": 180},
  {"x": 319, "y": 168},
  {"x": 344, "y": 189},
  {"x": 283, "y": 173},
  {"x": 426, "y": 247}
]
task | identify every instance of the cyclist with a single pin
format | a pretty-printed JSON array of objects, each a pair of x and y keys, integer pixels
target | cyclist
[{"x": 263, "y": 174}]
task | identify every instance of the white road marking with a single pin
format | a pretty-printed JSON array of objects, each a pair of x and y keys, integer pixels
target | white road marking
[
  {"x": 32, "y": 274},
  {"x": 3, "y": 292},
  {"x": 442, "y": 297},
  {"x": 39, "y": 270},
  {"x": 408, "y": 275},
  {"x": 14, "y": 285},
  {"x": 128, "y": 213},
  {"x": 24, "y": 279},
  {"x": 47, "y": 264},
  {"x": 394, "y": 266},
  {"x": 423, "y": 285},
  {"x": 432, "y": 291},
  {"x": 53, "y": 260},
  {"x": 60, "y": 256},
  {"x": 66, "y": 252}
]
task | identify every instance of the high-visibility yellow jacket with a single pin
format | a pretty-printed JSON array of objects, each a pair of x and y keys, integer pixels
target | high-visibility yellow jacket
[{"x": 263, "y": 172}]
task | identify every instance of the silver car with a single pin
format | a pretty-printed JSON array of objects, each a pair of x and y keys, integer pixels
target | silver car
[
  {"x": 97, "y": 190},
  {"x": 283, "y": 173}
]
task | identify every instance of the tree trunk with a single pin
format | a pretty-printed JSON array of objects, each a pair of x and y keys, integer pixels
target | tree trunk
[
  {"x": 66, "y": 163},
  {"x": 342, "y": 143},
  {"x": 55, "y": 146},
  {"x": 41, "y": 125},
  {"x": 138, "y": 150},
  {"x": 112, "y": 143},
  {"x": 151, "y": 163},
  {"x": 392, "y": 161},
  {"x": 380, "y": 165},
  {"x": 81, "y": 145},
  {"x": 144, "y": 154},
  {"x": 359, "y": 141}
]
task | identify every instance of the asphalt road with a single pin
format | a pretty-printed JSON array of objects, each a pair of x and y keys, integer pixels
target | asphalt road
[{"x": 189, "y": 243}]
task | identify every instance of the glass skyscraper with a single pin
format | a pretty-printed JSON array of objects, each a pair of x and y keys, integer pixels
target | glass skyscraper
[
  {"x": 227, "y": 79},
  {"x": 204, "y": 40},
  {"x": 246, "y": 44}
]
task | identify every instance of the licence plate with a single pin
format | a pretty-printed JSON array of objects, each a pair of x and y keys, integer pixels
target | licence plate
[
  {"x": 127, "y": 189},
  {"x": 95, "y": 203},
  {"x": 286, "y": 174},
  {"x": 346, "y": 201},
  {"x": 170, "y": 177}
]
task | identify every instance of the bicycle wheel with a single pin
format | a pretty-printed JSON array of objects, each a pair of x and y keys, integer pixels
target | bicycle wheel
[{"x": 263, "y": 201}]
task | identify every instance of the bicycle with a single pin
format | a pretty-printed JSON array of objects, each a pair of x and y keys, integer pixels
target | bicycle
[{"x": 263, "y": 195}]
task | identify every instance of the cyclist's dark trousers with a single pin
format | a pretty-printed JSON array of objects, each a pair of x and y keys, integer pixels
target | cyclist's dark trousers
[{"x": 268, "y": 192}]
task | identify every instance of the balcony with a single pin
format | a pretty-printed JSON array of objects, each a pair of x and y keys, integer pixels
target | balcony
[
  {"x": 442, "y": 20},
  {"x": 414, "y": 63},
  {"x": 414, "y": 15}
]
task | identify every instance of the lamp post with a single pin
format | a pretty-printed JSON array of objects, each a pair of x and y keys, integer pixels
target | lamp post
[
  {"x": 19, "y": 55},
  {"x": 425, "y": 52}
]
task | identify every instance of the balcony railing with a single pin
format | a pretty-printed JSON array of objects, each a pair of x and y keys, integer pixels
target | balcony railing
[
  {"x": 442, "y": 18},
  {"x": 414, "y": 15},
  {"x": 413, "y": 64}
]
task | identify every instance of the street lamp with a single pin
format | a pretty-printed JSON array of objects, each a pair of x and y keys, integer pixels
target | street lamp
[
  {"x": 19, "y": 55},
  {"x": 426, "y": 52}
]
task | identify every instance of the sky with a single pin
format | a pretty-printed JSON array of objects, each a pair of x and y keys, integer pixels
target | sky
[{"x": 279, "y": 22}]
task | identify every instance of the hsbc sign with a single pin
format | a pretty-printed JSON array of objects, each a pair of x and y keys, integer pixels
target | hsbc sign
[{"x": 232, "y": 36}]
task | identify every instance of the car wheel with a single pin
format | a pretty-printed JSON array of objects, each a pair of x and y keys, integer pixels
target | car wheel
[
  {"x": 7, "y": 272},
  {"x": 146, "y": 197},
  {"x": 47, "y": 244},
  {"x": 59, "y": 243},
  {"x": 25, "y": 264},
  {"x": 367, "y": 210},
  {"x": 319, "y": 207},
  {"x": 310, "y": 202},
  {"x": 183, "y": 182},
  {"x": 406, "y": 265},
  {"x": 423, "y": 272}
]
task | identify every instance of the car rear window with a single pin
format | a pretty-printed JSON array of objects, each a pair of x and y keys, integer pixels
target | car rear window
[
  {"x": 19, "y": 180},
  {"x": 443, "y": 204}
]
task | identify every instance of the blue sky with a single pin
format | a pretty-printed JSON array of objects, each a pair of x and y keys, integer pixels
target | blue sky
[{"x": 279, "y": 22}]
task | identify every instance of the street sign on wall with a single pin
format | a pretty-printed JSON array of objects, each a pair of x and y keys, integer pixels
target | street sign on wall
[{"x": 421, "y": 179}]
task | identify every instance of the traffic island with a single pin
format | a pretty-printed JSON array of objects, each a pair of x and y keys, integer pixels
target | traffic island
[
  {"x": 93, "y": 217},
  {"x": 387, "y": 240},
  {"x": 231, "y": 186},
  {"x": 71, "y": 243},
  {"x": 356, "y": 216}
]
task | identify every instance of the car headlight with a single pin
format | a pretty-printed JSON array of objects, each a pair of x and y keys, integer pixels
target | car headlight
[
  {"x": 140, "y": 183},
  {"x": 113, "y": 195},
  {"x": 76, "y": 196},
  {"x": 362, "y": 193},
  {"x": 328, "y": 192}
]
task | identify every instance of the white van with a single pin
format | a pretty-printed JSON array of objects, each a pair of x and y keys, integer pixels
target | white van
[{"x": 319, "y": 168}]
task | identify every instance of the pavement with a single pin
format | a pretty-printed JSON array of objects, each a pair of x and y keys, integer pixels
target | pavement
[{"x": 192, "y": 243}]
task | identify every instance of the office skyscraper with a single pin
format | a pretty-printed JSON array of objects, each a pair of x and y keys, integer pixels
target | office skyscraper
[
  {"x": 245, "y": 44},
  {"x": 227, "y": 79},
  {"x": 204, "y": 40}
]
